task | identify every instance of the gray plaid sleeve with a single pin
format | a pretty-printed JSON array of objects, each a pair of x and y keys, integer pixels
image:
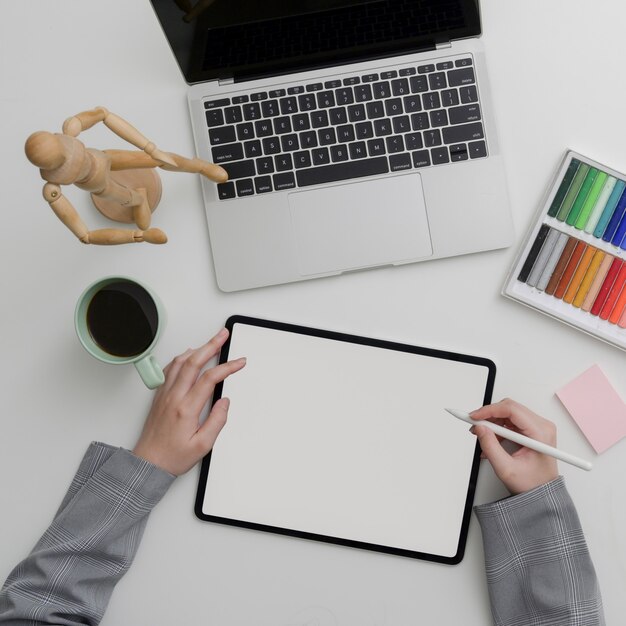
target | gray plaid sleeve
[
  {"x": 538, "y": 567},
  {"x": 69, "y": 576}
]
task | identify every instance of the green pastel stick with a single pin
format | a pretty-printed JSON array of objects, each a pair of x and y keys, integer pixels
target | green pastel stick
[
  {"x": 590, "y": 202},
  {"x": 572, "y": 168},
  {"x": 581, "y": 174},
  {"x": 582, "y": 196},
  {"x": 603, "y": 198}
]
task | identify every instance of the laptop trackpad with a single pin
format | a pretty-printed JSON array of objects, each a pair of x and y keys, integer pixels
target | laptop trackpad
[{"x": 360, "y": 224}]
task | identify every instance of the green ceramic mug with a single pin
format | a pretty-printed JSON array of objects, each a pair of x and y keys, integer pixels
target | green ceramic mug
[{"x": 119, "y": 320}]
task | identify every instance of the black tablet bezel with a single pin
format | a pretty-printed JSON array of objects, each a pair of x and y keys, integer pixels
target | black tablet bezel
[{"x": 379, "y": 343}]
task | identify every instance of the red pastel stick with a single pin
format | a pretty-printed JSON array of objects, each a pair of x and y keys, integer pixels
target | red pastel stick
[
  {"x": 606, "y": 286},
  {"x": 614, "y": 293}
]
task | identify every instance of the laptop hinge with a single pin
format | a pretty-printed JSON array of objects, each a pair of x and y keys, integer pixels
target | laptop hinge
[
  {"x": 443, "y": 45},
  {"x": 225, "y": 81}
]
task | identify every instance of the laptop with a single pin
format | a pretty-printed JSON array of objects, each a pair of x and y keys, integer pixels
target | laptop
[{"x": 356, "y": 133}]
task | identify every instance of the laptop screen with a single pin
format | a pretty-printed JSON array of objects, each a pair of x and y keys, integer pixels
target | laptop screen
[{"x": 241, "y": 39}]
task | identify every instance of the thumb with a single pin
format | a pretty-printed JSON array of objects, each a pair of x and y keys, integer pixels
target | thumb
[
  {"x": 495, "y": 453},
  {"x": 208, "y": 432}
]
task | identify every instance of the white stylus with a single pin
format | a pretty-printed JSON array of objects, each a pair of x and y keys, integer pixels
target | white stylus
[{"x": 533, "y": 444}]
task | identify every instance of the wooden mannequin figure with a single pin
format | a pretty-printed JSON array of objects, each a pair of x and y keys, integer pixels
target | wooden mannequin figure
[{"x": 123, "y": 183}]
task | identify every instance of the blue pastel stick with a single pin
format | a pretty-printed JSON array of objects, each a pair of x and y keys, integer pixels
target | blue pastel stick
[
  {"x": 611, "y": 203},
  {"x": 618, "y": 237},
  {"x": 616, "y": 218}
]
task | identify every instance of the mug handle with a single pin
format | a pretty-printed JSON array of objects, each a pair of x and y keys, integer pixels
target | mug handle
[{"x": 150, "y": 371}]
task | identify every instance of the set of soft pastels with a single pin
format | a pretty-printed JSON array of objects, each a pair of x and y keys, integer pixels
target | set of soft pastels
[{"x": 572, "y": 265}]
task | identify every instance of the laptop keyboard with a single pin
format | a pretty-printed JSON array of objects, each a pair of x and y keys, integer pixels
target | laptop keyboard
[{"x": 365, "y": 125}]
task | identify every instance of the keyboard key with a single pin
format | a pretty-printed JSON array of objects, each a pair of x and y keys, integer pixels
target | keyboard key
[
  {"x": 342, "y": 171},
  {"x": 282, "y": 125},
  {"x": 358, "y": 150},
  {"x": 376, "y": 147},
  {"x": 327, "y": 136},
  {"x": 394, "y": 144},
  {"x": 468, "y": 94},
  {"x": 265, "y": 165},
  {"x": 271, "y": 145},
  {"x": 345, "y": 133},
  {"x": 325, "y": 99},
  {"x": 319, "y": 119},
  {"x": 382, "y": 127},
  {"x": 418, "y": 84},
  {"x": 223, "y": 134},
  {"x": 321, "y": 156},
  {"x": 420, "y": 121},
  {"x": 270, "y": 108},
  {"x": 425, "y": 69},
  {"x": 295, "y": 90},
  {"x": 338, "y": 116},
  {"x": 239, "y": 169},
  {"x": 375, "y": 109},
  {"x": 458, "y": 152},
  {"x": 446, "y": 65},
  {"x": 307, "y": 102},
  {"x": 431, "y": 100},
  {"x": 283, "y": 162},
  {"x": 363, "y": 93},
  {"x": 263, "y": 128},
  {"x": 344, "y": 96},
  {"x": 449, "y": 97},
  {"x": 332, "y": 84},
  {"x": 277, "y": 93},
  {"x": 369, "y": 78},
  {"x": 288, "y": 105},
  {"x": 251, "y": 111},
  {"x": 225, "y": 191},
  {"x": 438, "y": 118},
  {"x": 407, "y": 71},
  {"x": 353, "y": 80},
  {"x": 381, "y": 90},
  {"x": 400, "y": 87},
  {"x": 289, "y": 143},
  {"x": 245, "y": 131},
  {"x": 413, "y": 141},
  {"x": 412, "y": 104},
  {"x": 252, "y": 148},
  {"x": 302, "y": 159},
  {"x": 240, "y": 99},
  {"x": 394, "y": 107},
  {"x": 463, "y": 76},
  {"x": 263, "y": 184},
  {"x": 399, "y": 162},
  {"x": 356, "y": 113},
  {"x": 308, "y": 139},
  {"x": 421, "y": 158},
  {"x": 389, "y": 75},
  {"x": 401, "y": 124},
  {"x": 233, "y": 115},
  {"x": 245, "y": 187},
  {"x": 463, "y": 62},
  {"x": 464, "y": 113},
  {"x": 215, "y": 104},
  {"x": 315, "y": 87},
  {"x": 230, "y": 152},
  {"x": 440, "y": 155},
  {"x": 284, "y": 181},
  {"x": 432, "y": 138},
  {"x": 338, "y": 153},
  {"x": 463, "y": 132},
  {"x": 364, "y": 130},
  {"x": 437, "y": 80},
  {"x": 214, "y": 117},
  {"x": 301, "y": 122},
  {"x": 255, "y": 97},
  {"x": 477, "y": 149}
]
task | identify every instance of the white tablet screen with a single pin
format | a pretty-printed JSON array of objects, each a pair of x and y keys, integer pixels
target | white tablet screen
[{"x": 346, "y": 441}]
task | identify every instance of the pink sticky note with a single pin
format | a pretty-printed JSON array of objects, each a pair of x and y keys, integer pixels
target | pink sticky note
[{"x": 596, "y": 407}]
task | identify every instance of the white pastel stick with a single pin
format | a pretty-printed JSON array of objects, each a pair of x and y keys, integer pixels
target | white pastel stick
[{"x": 533, "y": 444}]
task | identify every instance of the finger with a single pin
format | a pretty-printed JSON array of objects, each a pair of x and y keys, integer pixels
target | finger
[
  {"x": 493, "y": 451},
  {"x": 203, "y": 389},
  {"x": 207, "y": 433},
  {"x": 193, "y": 364},
  {"x": 519, "y": 415},
  {"x": 173, "y": 367}
]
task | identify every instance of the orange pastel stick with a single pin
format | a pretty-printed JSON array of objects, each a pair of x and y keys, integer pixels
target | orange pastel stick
[
  {"x": 590, "y": 274},
  {"x": 579, "y": 274},
  {"x": 569, "y": 270},
  {"x": 619, "y": 307},
  {"x": 590, "y": 298},
  {"x": 616, "y": 290}
]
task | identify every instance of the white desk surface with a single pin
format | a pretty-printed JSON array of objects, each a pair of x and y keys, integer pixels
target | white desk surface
[{"x": 556, "y": 72}]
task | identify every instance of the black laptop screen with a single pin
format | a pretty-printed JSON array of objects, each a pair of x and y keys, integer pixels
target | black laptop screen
[{"x": 245, "y": 39}]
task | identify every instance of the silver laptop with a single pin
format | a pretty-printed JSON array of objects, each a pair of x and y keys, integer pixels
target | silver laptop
[{"x": 356, "y": 133}]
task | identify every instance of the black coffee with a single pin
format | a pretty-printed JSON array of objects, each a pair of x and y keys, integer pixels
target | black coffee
[{"x": 122, "y": 319}]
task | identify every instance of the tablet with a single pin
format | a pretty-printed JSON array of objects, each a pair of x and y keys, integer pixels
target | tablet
[{"x": 344, "y": 439}]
